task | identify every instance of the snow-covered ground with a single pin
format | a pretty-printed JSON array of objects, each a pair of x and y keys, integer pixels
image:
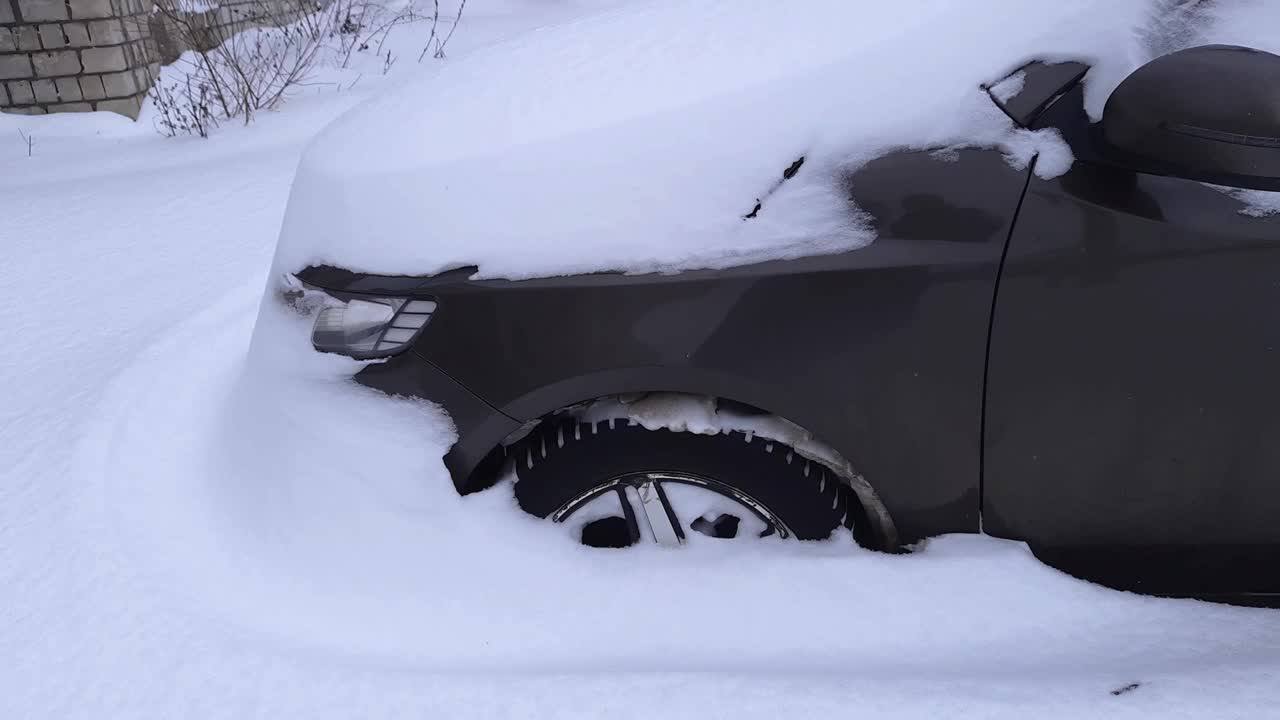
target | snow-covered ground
[{"x": 182, "y": 537}]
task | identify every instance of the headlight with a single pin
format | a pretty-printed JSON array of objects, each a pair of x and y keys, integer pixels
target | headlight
[{"x": 370, "y": 327}]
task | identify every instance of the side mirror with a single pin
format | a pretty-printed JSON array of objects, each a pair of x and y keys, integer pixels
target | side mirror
[{"x": 1209, "y": 113}]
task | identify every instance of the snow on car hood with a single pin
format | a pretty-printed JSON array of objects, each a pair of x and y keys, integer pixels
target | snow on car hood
[{"x": 638, "y": 139}]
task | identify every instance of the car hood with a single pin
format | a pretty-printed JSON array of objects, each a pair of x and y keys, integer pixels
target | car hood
[{"x": 640, "y": 139}]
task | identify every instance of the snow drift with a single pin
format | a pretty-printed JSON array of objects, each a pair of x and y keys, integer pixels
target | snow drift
[{"x": 186, "y": 533}]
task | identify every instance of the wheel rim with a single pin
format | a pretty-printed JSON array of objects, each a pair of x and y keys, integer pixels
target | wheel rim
[{"x": 666, "y": 507}]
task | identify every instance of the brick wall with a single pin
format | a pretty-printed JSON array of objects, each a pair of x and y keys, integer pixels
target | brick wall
[
  {"x": 82, "y": 55},
  {"x": 75, "y": 55}
]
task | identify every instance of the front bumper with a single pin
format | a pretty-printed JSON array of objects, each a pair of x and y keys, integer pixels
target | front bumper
[{"x": 481, "y": 427}]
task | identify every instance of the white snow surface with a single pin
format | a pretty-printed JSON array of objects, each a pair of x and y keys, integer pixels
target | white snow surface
[
  {"x": 699, "y": 414},
  {"x": 1008, "y": 88},
  {"x": 189, "y": 529},
  {"x": 1258, "y": 203}
]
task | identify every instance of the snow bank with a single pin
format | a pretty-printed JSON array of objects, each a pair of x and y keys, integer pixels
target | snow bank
[
  {"x": 187, "y": 532},
  {"x": 190, "y": 533},
  {"x": 314, "y": 517}
]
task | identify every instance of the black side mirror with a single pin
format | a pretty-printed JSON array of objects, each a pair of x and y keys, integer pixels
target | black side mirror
[{"x": 1209, "y": 113}]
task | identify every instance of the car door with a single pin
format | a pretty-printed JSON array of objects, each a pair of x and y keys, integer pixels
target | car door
[{"x": 1133, "y": 393}]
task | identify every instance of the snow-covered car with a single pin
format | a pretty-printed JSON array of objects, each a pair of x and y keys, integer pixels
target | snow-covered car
[{"x": 1087, "y": 360}]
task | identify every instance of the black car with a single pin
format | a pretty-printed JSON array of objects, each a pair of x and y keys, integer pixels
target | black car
[{"x": 1090, "y": 363}]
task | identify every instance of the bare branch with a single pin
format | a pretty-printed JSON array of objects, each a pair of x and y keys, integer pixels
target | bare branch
[
  {"x": 28, "y": 139},
  {"x": 242, "y": 61}
]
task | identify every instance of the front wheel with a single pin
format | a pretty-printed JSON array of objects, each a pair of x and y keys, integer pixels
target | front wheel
[{"x": 615, "y": 483}]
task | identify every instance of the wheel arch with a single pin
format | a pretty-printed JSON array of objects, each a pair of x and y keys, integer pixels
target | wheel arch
[{"x": 556, "y": 399}]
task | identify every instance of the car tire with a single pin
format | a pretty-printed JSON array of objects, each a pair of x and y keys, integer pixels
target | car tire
[{"x": 562, "y": 460}]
